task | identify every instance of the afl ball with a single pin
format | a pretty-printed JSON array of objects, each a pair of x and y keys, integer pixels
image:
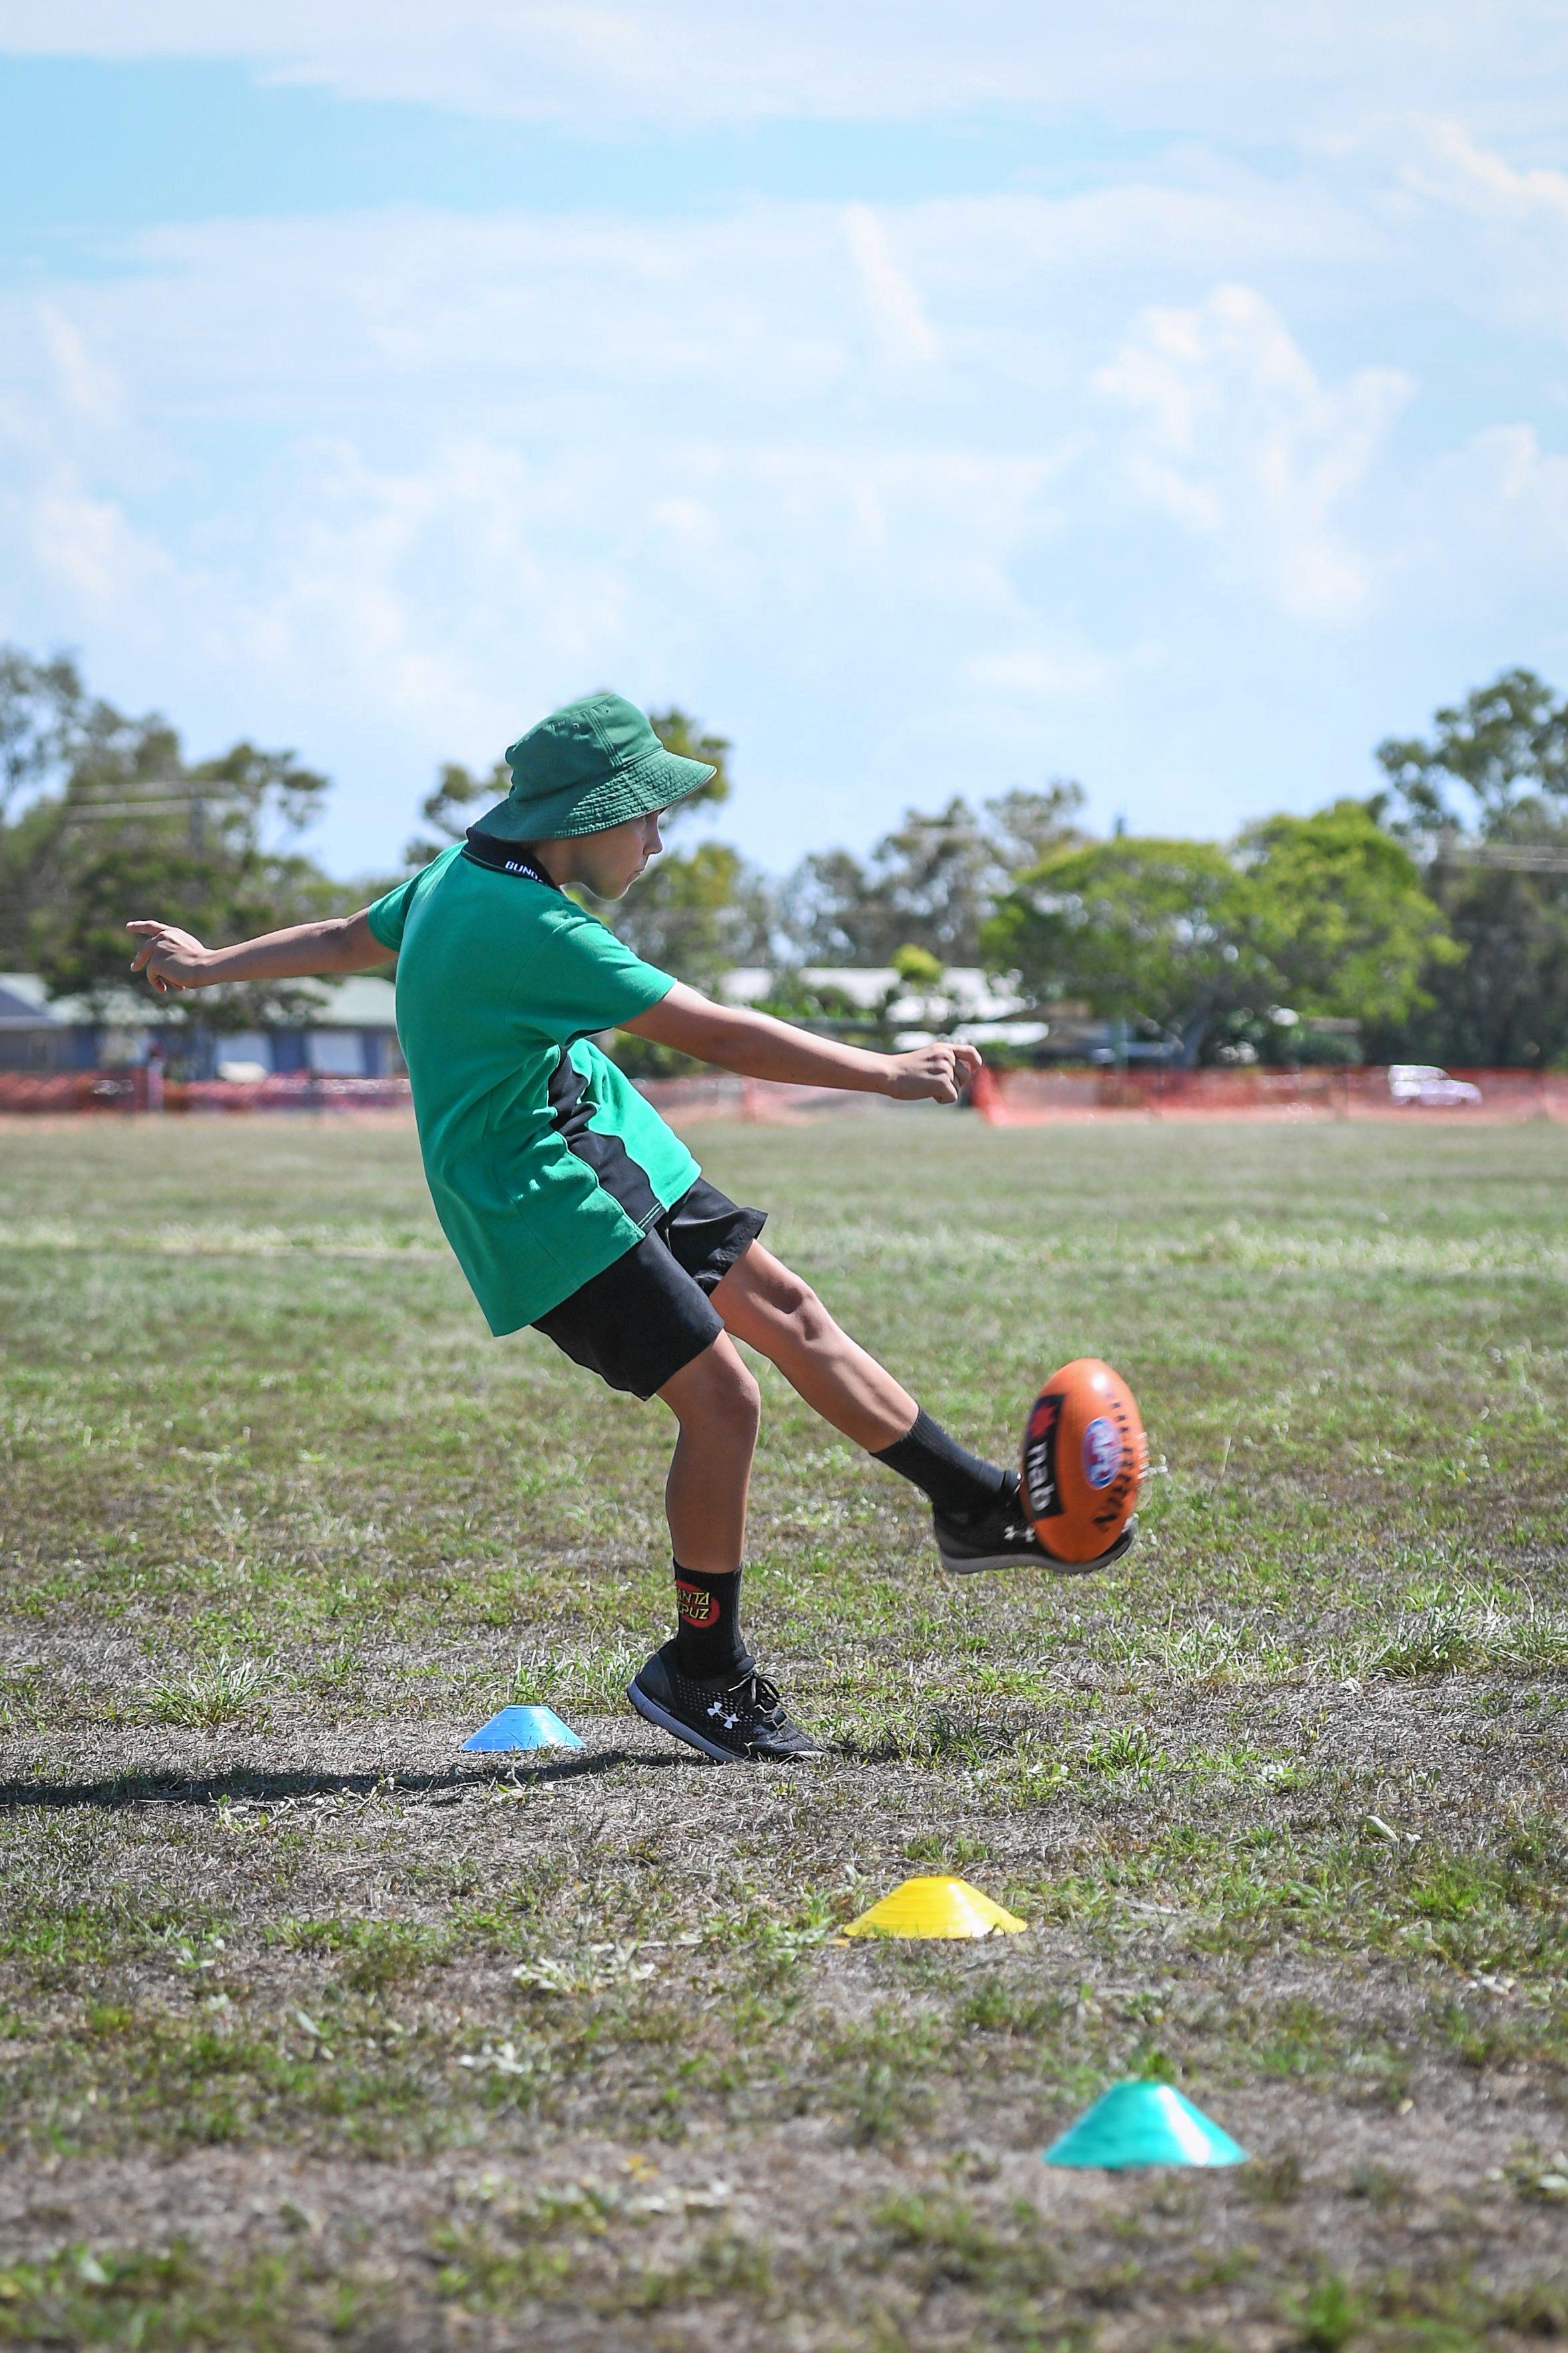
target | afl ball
[{"x": 1085, "y": 1457}]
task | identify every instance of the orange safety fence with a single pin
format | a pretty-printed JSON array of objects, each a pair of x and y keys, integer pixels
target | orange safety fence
[
  {"x": 143, "y": 1090},
  {"x": 717, "y": 1096},
  {"x": 73, "y": 1091},
  {"x": 761, "y": 1103},
  {"x": 1038, "y": 1098},
  {"x": 1003, "y": 1098}
]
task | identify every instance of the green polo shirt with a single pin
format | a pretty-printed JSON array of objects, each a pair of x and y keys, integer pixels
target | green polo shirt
[{"x": 544, "y": 1163}]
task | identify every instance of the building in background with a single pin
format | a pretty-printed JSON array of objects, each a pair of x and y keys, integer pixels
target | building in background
[
  {"x": 966, "y": 1002},
  {"x": 354, "y": 1036}
]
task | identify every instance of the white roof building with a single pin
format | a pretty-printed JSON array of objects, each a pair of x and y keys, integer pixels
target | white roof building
[{"x": 986, "y": 1009}]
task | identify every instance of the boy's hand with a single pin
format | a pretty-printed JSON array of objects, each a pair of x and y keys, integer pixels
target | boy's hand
[
  {"x": 169, "y": 958},
  {"x": 932, "y": 1073}
]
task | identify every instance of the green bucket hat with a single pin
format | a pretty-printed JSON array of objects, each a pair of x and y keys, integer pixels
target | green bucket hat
[{"x": 589, "y": 765}]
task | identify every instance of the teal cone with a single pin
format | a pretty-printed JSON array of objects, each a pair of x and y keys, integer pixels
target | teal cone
[
  {"x": 523, "y": 1727},
  {"x": 1143, "y": 2124}
]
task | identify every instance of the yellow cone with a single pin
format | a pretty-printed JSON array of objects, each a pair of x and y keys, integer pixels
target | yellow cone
[{"x": 935, "y": 1908}]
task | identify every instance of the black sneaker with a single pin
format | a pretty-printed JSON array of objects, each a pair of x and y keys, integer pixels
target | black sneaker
[
  {"x": 728, "y": 1721},
  {"x": 1004, "y": 1538}
]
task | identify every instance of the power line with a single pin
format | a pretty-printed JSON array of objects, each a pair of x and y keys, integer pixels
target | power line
[
  {"x": 195, "y": 805},
  {"x": 129, "y": 809},
  {"x": 1503, "y": 858}
]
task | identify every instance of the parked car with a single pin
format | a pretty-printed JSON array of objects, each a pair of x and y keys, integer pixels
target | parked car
[{"x": 1429, "y": 1088}]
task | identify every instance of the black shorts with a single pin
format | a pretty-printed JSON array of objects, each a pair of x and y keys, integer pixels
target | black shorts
[{"x": 650, "y": 1313}]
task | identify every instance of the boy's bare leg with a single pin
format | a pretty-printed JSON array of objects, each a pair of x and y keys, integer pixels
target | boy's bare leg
[
  {"x": 973, "y": 1501},
  {"x": 979, "y": 1520},
  {"x": 718, "y": 1404},
  {"x": 703, "y": 1685},
  {"x": 782, "y": 1317}
]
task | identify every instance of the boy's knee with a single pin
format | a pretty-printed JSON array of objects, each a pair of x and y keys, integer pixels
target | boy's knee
[
  {"x": 729, "y": 1391},
  {"x": 796, "y": 1307},
  {"x": 746, "y": 1399}
]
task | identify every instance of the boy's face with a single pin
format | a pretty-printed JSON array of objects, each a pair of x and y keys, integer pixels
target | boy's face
[{"x": 610, "y": 862}]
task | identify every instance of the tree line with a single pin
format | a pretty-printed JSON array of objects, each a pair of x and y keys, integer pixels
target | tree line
[{"x": 1432, "y": 914}]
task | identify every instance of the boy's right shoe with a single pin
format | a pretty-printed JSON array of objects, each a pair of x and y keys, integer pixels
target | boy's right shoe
[
  {"x": 1004, "y": 1538},
  {"x": 740, "y": 1720}
]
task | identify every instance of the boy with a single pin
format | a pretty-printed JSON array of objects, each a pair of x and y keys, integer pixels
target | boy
[{"x": 571, "y": 1205}]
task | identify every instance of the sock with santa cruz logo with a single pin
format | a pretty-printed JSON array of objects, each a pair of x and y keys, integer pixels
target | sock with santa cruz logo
[{"x": 708, "y": 1645}]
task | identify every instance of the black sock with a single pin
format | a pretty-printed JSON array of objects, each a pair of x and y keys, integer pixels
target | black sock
[
  {"x": 708, "y": 1625},
  {"x": 961, "y": 1485}
]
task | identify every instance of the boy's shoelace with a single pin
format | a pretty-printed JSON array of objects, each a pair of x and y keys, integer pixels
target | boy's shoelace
[{"x": 758, "y": 1700}]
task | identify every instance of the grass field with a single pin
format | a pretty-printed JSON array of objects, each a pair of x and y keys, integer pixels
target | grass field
[{"x": 313, "y": 2032}]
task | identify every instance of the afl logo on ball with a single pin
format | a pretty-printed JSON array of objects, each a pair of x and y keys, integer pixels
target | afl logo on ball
[{"x": 1102, "y": 1451}]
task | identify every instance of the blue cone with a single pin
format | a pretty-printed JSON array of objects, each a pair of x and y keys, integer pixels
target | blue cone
[
  {"x": 1143, "y": 2124},
  {"x": 524, "y": 1727}
]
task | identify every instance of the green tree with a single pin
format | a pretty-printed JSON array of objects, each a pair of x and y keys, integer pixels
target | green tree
[
  {"x": 43, "y": 710},
  {"x": 1332, "y": 911},
  {"x": 917, "y": 968},
  {"x": 1503, "y": 749},
  {"x": 1140, "y": 930},
  {"x": 105, "y": 819},
  {"x": 1483, "y": 804},
  {"x": 930, "y": 883},
  {"x": 1324, "y": 914}
]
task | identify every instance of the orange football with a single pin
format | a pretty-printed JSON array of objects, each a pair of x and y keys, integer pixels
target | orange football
[{"x": 1085, "y": 1456}]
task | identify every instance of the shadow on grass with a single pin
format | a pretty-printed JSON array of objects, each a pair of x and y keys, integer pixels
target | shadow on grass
[{"x": 249, "y": 1786}]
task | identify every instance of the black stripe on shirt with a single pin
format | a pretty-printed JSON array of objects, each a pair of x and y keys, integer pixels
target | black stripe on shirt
[{"x": 571, "y": 1108}]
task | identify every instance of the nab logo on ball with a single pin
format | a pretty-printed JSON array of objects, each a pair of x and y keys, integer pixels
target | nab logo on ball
[
  {"x": 1040, "y": 1457},
  {"x": 1085, "y": 1455}
]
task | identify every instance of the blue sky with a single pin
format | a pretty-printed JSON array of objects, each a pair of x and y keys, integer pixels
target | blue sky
[{"x": 932, "y": 400}]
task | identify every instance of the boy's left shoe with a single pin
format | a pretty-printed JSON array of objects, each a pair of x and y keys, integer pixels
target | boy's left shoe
[
  {"x": 736, "y": 1719},
  {"x": 1004, "y": 1538}
]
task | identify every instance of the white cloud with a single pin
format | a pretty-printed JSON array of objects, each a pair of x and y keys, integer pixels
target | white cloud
[
  {"x": 92, "y": 550},
  {"x": 1457, "y": 171},
  {"x": 87, "y": 386},
  {"x": 1238, "y": 439},
  {"x": 860, "y": 485},
  {"x": 1248, "y": 66},
  {"x": 897, "y": 312},
  {"x": 1033, "y": 674},
  {"x": 444, "y": 538},
  {"x": 1505, "y": 225},
  {"x": 1499, "y": 501}
]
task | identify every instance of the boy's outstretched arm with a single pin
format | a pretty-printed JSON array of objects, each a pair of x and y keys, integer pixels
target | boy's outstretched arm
[
  {"x": 174, "y": 959},
  {"x": 733, "y": 1038}
]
